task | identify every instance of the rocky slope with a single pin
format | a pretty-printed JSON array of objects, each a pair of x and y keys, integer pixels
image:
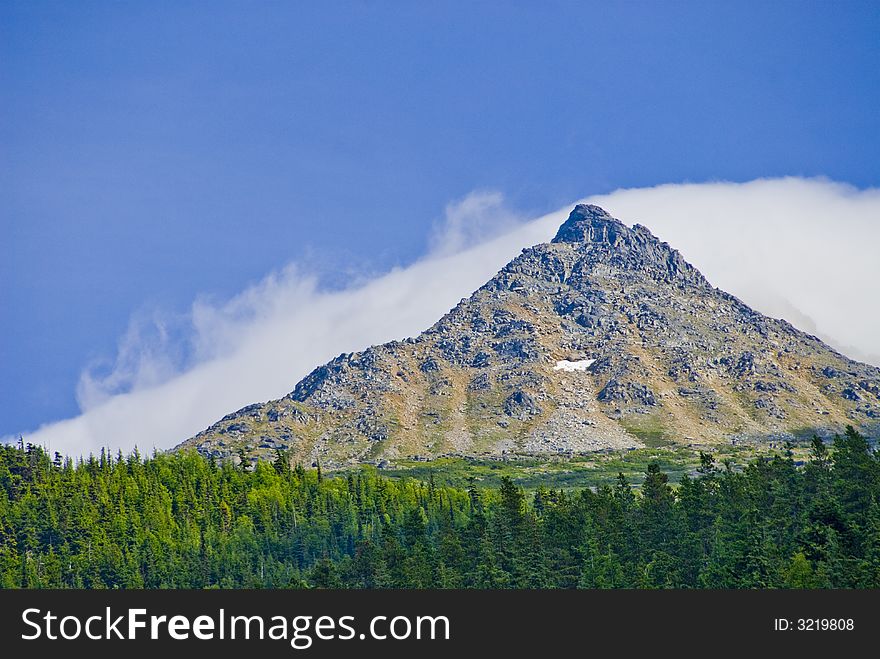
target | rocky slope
[{"x": 604, "y": 338}]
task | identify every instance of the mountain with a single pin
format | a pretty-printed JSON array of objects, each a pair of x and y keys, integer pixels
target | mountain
[{"x": 603, "y": 338}]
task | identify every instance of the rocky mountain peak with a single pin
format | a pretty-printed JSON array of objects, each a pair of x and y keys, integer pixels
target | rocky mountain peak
[
  {"x": 605, "y": 339},
  {"x": 603, "y": 239},
  {"x": 590, "y": 224}
]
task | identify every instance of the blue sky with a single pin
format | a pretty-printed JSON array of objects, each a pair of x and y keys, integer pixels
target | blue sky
[{"x": 154, "y": 152}]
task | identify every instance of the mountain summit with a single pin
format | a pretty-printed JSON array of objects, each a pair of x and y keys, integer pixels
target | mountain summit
[
  {"x": 603, "y": 338},
  {"x": 590, "y": 224}
]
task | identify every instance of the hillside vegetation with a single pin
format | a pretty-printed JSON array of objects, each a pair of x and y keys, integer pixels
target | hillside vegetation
[{"x": 183, "y": 521}]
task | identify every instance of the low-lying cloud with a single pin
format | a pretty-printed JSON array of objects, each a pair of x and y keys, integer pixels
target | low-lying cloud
[{"x": 802, "y": 249}]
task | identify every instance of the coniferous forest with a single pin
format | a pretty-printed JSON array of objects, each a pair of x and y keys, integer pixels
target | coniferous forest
[{"x": 182, "y": 521}]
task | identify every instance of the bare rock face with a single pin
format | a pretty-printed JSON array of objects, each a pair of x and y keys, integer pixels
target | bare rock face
[{"x": 648, "y": 349}]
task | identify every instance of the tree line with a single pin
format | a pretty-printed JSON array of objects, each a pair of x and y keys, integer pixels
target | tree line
[{"x": 182, "y": 521}]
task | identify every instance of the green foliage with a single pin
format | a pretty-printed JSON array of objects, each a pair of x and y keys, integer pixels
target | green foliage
[{"x": 181, "y": 521}]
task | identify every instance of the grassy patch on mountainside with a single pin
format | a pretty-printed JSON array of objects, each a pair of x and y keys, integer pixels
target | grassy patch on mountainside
[
  {"x": 648, "y": 428},
  {"x": 584, "y": 471}
]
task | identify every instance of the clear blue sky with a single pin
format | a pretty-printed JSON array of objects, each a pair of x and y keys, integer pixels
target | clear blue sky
[{"x": 153, "y": 151}]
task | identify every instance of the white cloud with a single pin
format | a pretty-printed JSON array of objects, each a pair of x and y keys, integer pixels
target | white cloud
[
  {"x": 801, "y": 249},
  {"x": 147, "y": 355},
  {"x": 472, "y": 220}
]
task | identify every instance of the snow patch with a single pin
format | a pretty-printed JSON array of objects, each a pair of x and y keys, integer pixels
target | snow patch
[{"x": 580, "y": 365}]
